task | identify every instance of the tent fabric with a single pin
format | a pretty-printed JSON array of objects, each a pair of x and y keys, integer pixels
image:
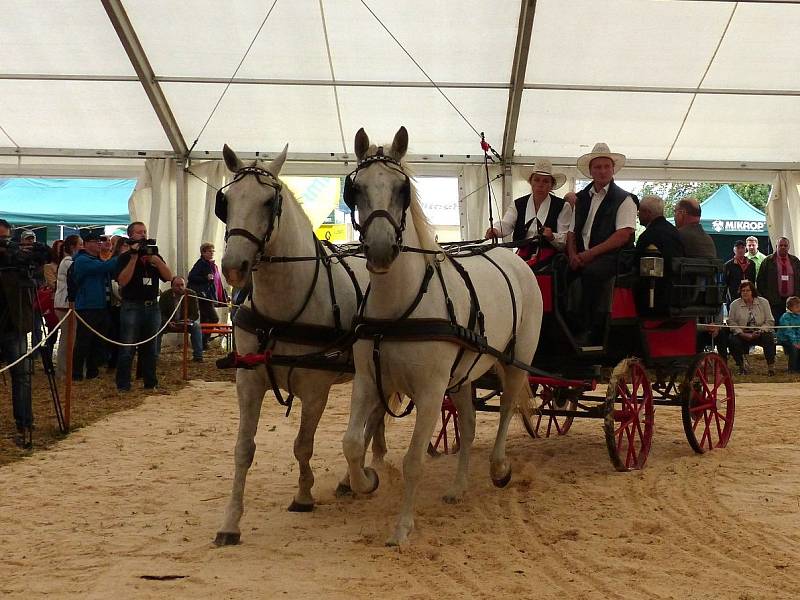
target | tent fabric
[
  {"x": 60, "y": 94},
  {"x": 26, "y": 201},
  {"x": 783, "y": 208}
]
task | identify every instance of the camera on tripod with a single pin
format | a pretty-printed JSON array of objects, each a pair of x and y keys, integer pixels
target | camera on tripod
[
  {"x": 143, "y": 247},
  {"x": 24, "y": 258}
]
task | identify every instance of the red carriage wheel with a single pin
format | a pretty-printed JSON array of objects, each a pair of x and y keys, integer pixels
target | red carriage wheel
[
  {"x": 448, "y": 439},
  {"x": 541, "y": 425},
  {"x": 629, "y": 416},
  {"x": 708, "y": 403}
]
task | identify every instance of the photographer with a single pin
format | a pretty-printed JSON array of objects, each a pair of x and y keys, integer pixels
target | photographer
[
  {"x": 138, "y": 273},
  {"x": 17, "y": 264}
]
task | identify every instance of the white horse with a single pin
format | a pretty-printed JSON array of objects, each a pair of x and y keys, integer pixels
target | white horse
[
  {"x": 422, "y": 369},
  {"x": 265, "y": 220}
]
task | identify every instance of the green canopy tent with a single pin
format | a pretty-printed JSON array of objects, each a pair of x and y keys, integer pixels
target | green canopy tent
[
  {"x": 728, "y": 217},
  {"x": 50, "y": 204}
]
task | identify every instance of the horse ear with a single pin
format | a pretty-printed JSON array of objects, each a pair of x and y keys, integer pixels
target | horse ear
[
  {"x": 277, "y": 163},
  {"x": 400, "y": 143},
  {"x": 231, "y": 160},
  {"x": 362, "y": 143}
]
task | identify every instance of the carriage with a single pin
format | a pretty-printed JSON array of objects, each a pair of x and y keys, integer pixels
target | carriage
[{"x": 647, "y": 358}]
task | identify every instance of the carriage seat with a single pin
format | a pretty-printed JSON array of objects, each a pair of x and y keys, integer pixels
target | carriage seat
[{"x": 696, "y": 287}]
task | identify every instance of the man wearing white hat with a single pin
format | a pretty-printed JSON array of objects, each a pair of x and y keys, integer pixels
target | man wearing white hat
[
  {"x": 603, "y": 223},
  {"x": 540, "y": 212}
]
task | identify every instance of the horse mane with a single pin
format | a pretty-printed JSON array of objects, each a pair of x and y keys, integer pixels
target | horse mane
[
  {"x": 286, "y": 190},
  {"x": 423, "y": 227},
  {"x": 425, "y": 231}
]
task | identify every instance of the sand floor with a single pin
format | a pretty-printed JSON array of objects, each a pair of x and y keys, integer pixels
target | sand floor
[{"x": 141, "y": 494}]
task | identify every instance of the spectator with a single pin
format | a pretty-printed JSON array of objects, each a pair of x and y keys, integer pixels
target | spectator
[
  {"x": 602, "y": 226},
  {"x": 50, "y": 268},
  {"x": 92, "y": 278},
  {"x": 106, "y": 247},
  {"x": 72, "y": 244},
  {"x": 167, "y": 303},
  {"x": 660, "y": 235},
  {"x": 696, "y": 242},
  {"x": 115, "y": 302},
  {"x": 753, "y": 253},
  {"x": 736, "y": 270},
  {"x": 138, "y": 274},
  {"x": 751, "y": 325},
  {"x": 206, "y": 282},
  {"x": 779, "y": 277},
  {"x": 16, "y": 314},
  {"x": 789, "y": 338}
]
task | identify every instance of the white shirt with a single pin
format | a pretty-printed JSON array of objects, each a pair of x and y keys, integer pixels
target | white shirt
[
  {"x": 506, "y": 225},
  {"x": 626, "y": 214},
  {"x": 60, "y": 299}
]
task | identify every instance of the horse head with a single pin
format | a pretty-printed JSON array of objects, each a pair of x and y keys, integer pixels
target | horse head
[
  {"x": 250, "y": 206},
  {"x": 381, "y": 191}
]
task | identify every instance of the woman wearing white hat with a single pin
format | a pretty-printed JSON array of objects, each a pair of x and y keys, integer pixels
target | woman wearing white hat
[{"x": 540, "y": 212}]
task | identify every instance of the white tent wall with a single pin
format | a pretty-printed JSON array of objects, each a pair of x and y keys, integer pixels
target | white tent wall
[
  {"x": 155, "y": 203},
  {"x": 783, "y": 209}
]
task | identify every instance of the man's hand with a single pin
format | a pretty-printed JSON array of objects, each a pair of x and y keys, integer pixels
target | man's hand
[
  {"x": 586, "y": 257},
  {"x": 575, "y": 262},
  {"x": 211, "y": 277},
  {"x": 571, "y": 197},
  {"x": 547, "y": 233},
  {"x": 154, "y": 260},
  {"x": 491, "y": 233}
]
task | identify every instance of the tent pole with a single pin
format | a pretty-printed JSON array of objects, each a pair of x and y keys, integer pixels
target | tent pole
[{"x": 182, "y": 218}]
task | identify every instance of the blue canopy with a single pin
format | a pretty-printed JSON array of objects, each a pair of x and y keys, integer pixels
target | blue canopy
[
  {"x": 726, "y": 212},
  {"x": 27, "y": 201}
]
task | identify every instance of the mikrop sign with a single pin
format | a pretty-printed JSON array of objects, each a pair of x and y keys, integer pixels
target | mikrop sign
[{"x": 748, "y": 226}]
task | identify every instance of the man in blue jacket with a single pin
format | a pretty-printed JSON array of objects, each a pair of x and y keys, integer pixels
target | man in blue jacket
[{"x": 92, "y": 277}]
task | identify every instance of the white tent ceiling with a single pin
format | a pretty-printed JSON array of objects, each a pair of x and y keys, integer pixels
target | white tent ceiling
[{"x": 673, "y": 83}]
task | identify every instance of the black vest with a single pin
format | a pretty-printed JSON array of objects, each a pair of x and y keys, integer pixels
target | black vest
[
  {"x": 605, "y": 219},
  {"x": 520, "y": 229}
]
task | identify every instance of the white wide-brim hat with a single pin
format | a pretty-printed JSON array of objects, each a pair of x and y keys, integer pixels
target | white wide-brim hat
[
  {"x": 544, "y": 167},
  {"x": 600, "y": 150}
]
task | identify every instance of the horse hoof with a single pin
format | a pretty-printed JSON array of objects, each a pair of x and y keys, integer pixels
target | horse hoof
[
  {"x": 227, "y": 539},
  {"x": 452, "y": 498},
  {"x": 373, "y": 475},
  {"x": 296, "y": 506},
  {"x": 503, "y": 481},
  {"x": 343, "y": 490}
]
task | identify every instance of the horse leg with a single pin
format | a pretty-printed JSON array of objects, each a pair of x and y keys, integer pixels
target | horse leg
[
  {"x": 376, "y": 432},
  {"x": 313, "y": 405},
  {"x": 500, "y": 468},
  {"x": 250, "y": 387},
  {"x": 428, "y": 412},
  {"x": 362, "y": 404},
  {"x": 465, "y": 413}
]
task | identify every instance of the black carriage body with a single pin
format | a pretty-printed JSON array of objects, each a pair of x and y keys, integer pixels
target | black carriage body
[{"x": 665, "y": 339}]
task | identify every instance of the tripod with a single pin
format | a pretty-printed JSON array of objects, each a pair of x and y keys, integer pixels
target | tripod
[{"x": 26, "y": 291}]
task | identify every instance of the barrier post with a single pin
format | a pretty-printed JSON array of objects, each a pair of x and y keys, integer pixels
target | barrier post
[
  {"x": 71, "y": 323},
  {"x": 185, "y": 301}
]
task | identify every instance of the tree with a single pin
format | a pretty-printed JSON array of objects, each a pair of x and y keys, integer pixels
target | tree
[{"x": 756, "y": 194}]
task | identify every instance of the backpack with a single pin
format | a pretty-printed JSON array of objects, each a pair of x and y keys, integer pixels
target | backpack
[{"x": 72, "y": 284}]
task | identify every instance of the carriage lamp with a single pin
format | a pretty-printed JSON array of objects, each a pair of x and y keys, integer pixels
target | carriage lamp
[{"x": 651, "y": 266}]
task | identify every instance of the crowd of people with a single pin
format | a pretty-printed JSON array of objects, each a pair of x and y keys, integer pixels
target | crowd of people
[
  {"x": 114, "y": 285},
  {"x": 597, "y": 224}
]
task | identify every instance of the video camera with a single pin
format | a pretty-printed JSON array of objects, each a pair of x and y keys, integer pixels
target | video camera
[
  {"x": 14, "y": 255},
  {"x": 143, "y": 247}
]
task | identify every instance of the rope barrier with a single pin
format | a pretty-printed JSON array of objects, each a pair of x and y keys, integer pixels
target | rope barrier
[
  {"x": 110, "y": 341},
  {"x": 37, "y": 346}
]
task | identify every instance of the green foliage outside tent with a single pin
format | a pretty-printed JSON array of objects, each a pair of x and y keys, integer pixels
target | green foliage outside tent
[{"x": 756, "y": 194}]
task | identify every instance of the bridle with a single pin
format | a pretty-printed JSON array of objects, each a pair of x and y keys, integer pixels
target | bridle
[
  {"x": 351, "y": 192},
  {"x": 276, "y": 202}
]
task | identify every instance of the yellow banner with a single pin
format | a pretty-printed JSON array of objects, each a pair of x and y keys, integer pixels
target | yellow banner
[{"x": 335, "y": 233}]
